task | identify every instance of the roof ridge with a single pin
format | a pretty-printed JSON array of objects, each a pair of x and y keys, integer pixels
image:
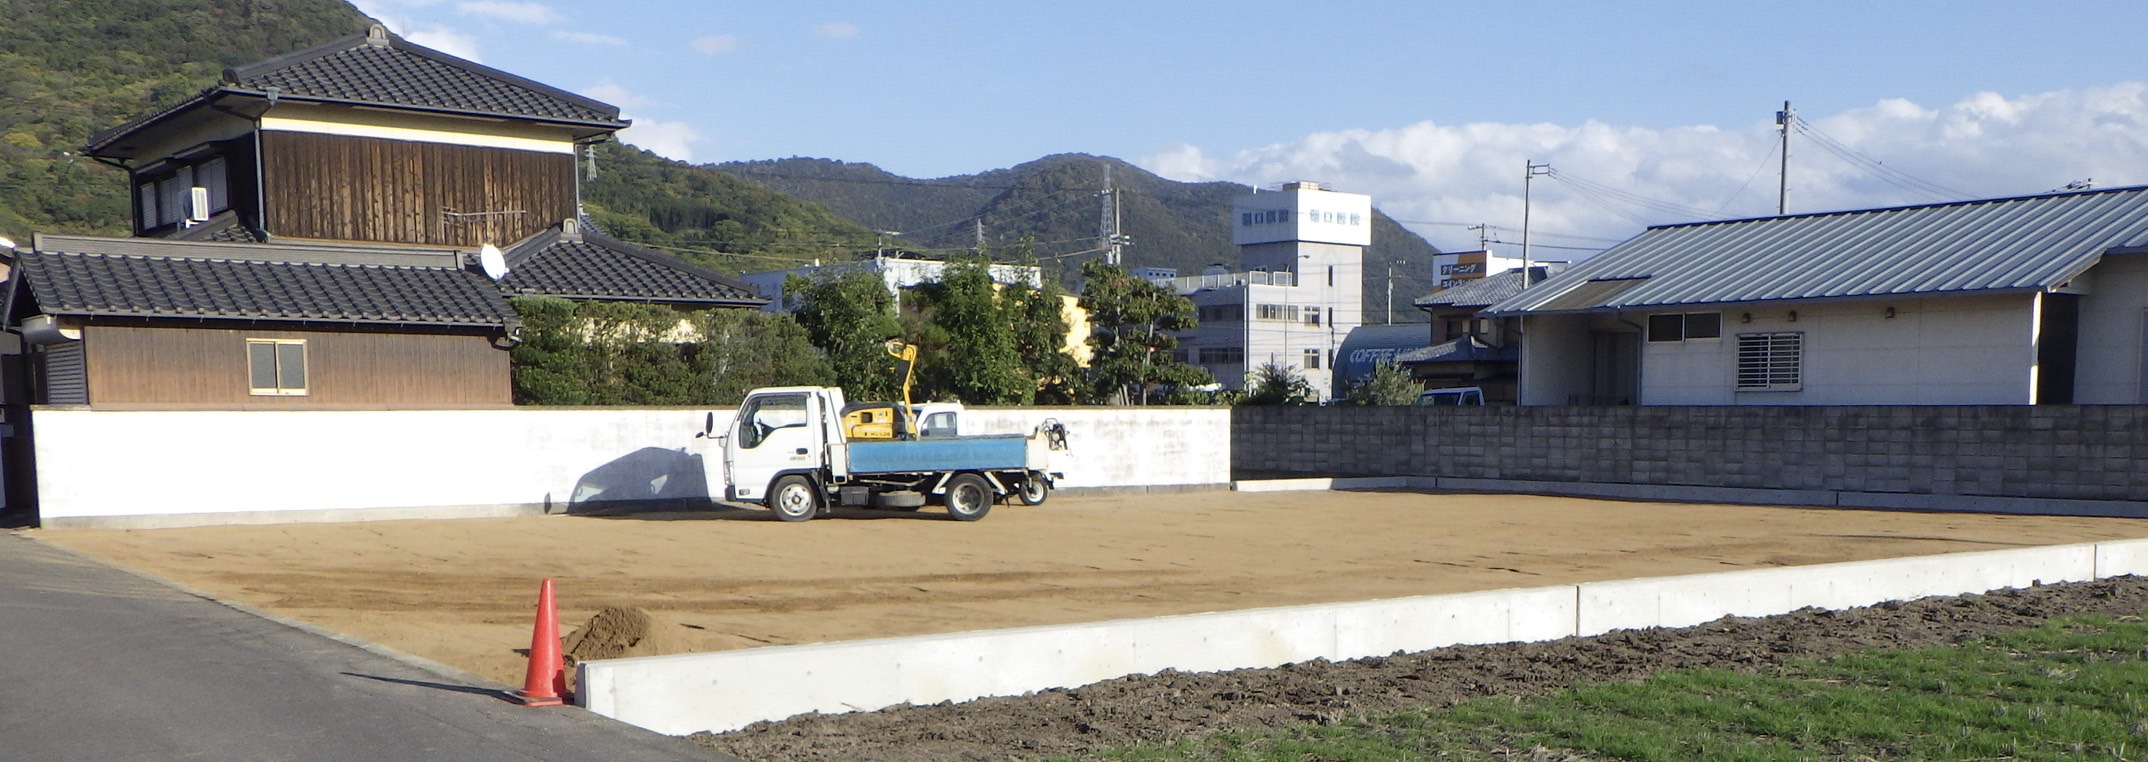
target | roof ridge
[
  {"x": 1904, "y": 207},
  {"x": 232, "y": 75}
]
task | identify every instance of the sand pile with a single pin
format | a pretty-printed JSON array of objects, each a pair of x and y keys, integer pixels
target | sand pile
[{"x": 619, "y": 632}]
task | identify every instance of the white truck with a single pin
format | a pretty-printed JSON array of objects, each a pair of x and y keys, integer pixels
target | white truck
[{"x": 788, "y": 449}]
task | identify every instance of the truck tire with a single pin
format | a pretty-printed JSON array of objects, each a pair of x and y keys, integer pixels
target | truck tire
[
  {"x": 969, "y": 497},
  {"x": 794, "y": 498},
  {"x": 1033, "y": 490}
]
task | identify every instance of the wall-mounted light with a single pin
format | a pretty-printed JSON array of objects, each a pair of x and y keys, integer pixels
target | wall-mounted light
[
  {"x": 1745, "y": 317},
  {"x": 1793, "y": 316},
  {"x": 1890, "y": 313}
]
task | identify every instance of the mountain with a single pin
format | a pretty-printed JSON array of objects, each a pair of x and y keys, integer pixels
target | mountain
[
  {"x": 712, "y": 218},
  {"x": 1055, "y": 200},
  {"x": 71, "y": 68}
]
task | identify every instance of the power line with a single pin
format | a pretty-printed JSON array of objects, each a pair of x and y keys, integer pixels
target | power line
[{"x": 1877, "y": 168}]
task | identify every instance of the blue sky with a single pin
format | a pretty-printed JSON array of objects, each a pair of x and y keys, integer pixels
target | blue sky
[{"x": 1433, "y": 108}]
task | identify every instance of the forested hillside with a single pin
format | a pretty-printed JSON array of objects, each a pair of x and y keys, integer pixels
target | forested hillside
[
  {"x": 1055, "y": 201},
  {"x": 71, "y": 68},
  {"x": 710, "y": 217}
]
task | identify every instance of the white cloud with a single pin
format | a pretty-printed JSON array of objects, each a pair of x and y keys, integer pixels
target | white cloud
[
  {"x": 446, "y": 41},
  {"x": 588, "y": 38},
  {"x": 1452, "y": 176},
  {"x": 715, "y": 44},
  {"x": 612, "y": 93},
  {"x": 504, "y": 10},
  {"x": 671, "y": 140},
  {"x": 836, "y": 30}
]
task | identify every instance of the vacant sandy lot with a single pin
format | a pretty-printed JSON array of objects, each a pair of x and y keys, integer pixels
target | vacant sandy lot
[{"x": 461, "y": 592}]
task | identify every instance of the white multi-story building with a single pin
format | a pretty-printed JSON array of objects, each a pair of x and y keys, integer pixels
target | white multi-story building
[{"x": 1300, "y": 294}]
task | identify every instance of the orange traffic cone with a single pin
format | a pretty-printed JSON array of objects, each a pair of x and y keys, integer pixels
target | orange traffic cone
[{"x": 546, "y": 684}]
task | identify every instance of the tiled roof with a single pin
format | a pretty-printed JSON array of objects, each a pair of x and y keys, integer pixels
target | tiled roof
[
  {"x": 379, "y": 69},
  {"x": 156, "y": 285},
  {"x": 1482, "y": 292},
  {"x": 1458, "y": 349},
  {"x": 385, "y": 70},
  {"x": 579, "y": 263},
  {"x": 1986, "y": 246}
]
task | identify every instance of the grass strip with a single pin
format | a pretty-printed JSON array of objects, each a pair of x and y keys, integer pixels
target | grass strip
[{"x": 2071, "y": 689}]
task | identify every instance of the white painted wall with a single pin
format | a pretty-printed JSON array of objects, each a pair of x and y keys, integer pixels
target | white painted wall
[
  {"x": 164, "y": 468},
  {"x": 2113, "y": 312},
  {"x": 1934, "y": 351},
  {"x": 1555, "y": 358},
  {"x": 728, "y": 690}
]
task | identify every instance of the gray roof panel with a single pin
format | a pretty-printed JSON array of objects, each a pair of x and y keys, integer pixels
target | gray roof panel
[{"x": 1993, "y": 245}]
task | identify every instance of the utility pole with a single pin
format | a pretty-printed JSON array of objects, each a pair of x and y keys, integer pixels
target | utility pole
[
  {"x": 1484, "y": 235},
  {"x": 980, "y": 234},
  {"x": 1534, "y": 170},
  {"x": 1783, "y": 119},
  {"x": 1107, "y": 234},
  {"x": 1390, "y": 294}
]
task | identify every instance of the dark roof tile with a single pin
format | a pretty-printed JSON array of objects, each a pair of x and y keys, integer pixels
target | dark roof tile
[
  {"x": 590, "y": 265},
  {"x": 386, "y": 70},
  {"x": 109, "y": 285}
]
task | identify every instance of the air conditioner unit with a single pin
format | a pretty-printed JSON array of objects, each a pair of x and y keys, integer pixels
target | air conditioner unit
[{"x": 197, "y": 205}]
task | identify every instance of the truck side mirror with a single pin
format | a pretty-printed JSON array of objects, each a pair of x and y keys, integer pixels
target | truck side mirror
[{"x": 708, "y": 427}]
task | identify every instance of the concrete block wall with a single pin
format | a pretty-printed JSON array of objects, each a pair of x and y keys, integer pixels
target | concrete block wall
[
  {"x": 103, "y": 468},
  {"x": 723, "y": 691},
  {"x": 2082, "y": 453}
]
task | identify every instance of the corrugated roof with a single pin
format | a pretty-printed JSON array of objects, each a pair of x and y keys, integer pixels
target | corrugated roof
[
  {"x": 1993, "y": 245},
  {"x": 154, "y": 284},
  {"x": 586, "y": 264}
]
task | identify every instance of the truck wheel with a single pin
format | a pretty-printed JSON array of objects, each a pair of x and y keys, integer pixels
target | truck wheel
[
  {"x": 969, "y": 498},
  {"x": 794, "y": 498},
  {"x": 1034, "y": 490}
]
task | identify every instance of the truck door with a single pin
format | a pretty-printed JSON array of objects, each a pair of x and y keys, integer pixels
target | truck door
[{"x": 774, "y": 433}]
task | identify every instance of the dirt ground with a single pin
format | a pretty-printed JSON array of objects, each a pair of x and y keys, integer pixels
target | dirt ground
[{"x": 461, "y": 592}]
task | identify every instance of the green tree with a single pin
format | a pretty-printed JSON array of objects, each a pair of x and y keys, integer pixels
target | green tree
[
  {"x": 1133, "y": 342},
  {"x": 974, "y": 357},
  {"x": 743, "y": 350},
  {"x": 602, "y": 353},
  {"x": 1275, "y": 384},
  {"x": 1389, "y": 384},
  {"x": 1038, "y": 316},
  {"x": 850, "y": 316}
]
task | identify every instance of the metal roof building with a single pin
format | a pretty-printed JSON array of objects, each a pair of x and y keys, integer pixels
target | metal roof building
[
  {"x": 2002, "y": 245},
  {"x": 2024, "y": 300}
]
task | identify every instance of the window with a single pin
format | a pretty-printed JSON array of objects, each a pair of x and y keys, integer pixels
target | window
[
  {"x": 1223, "y": 355},
  {"x": 767, "y": 413},
  {"x": 1312, "y": 317},
  {"x": 1770, "y": 362},
  {"x": 276, "y": 366},
  {"x": 163, "y": 192},
  {"x": 1312, "y": 359},
  {"x": 1277, "y": 312},
  {"x": 1685, "y": 326},
  {"x": 1220, "y": 313}
]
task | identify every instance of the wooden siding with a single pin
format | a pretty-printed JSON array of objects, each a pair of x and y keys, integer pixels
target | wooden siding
[
  {"x": 391, "y": 191},
  {"x": 154, "y": 367}
]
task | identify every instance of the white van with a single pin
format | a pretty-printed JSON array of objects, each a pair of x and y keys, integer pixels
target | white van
[{"x": 1459, "y": 396}]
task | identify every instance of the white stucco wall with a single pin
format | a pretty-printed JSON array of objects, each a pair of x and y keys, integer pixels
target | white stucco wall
[
  {"x": 1934, "y": 351},
  {"x": 167, "y": 468},
  {"x": 2113, "y": 312},
  {"x": 1554, "y": 358}
]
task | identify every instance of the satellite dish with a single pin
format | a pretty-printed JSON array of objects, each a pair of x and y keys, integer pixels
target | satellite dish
[{"x": 493, "y": 262}]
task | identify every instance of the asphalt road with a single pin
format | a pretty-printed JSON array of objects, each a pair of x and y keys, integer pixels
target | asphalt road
[{"x": 97, "y": 663}]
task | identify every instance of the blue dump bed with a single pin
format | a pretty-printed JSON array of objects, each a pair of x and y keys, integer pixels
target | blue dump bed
[{"x": 980, "y": 453}]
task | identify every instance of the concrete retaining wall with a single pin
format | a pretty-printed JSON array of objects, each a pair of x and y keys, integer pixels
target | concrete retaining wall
[
  {"x": 2044, "y": 458},
  {"x": 725, "y": 691},
  {"x": 729, "y": 690},
  {"x": 176, "y": 468}
]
